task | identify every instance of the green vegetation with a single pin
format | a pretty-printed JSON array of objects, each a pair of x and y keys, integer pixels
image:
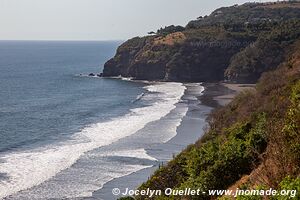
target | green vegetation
[
  {"x": 265, "y": 54},
  {"x": 243, "y": 142},
  {"x": 249, "y": 13},
  {"x": 236, "y": 43},
  {"x": 289, "y": 183},
  {"x": 170, "y": 29},
  {"x": 254, "y": 141},
  {"x": 227, "y": 157}
]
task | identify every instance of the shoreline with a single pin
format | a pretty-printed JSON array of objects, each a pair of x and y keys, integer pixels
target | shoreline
[
  {"x": 199, "y": 99},
  {"x": 163, "y": 152},
  {"x": 188, "y": 132},
  {"x": 105, "y": 156},
  {"x": 220, "y": 94}
]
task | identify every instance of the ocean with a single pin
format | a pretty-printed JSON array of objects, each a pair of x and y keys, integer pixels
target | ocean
[{"x": 63, "y": 134}]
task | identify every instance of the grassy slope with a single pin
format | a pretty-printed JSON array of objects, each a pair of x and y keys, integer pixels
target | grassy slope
[{"x": 254, "y": 141}]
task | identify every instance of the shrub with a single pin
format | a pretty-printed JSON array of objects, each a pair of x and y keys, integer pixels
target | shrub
[{"x": 290, "y": 184}]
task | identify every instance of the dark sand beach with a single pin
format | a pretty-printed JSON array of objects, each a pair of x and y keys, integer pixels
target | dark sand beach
[
  {"x": 220, "y": 94},
  {"x": 191, "y": 128}
]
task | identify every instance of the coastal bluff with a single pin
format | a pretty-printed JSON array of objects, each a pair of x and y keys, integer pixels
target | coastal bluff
[{"x": 236, "y": 44}]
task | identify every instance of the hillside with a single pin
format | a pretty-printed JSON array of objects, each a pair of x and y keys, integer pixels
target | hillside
[
  {"x": 253, "y": 142},
  {"x": 236, "y": 43}
]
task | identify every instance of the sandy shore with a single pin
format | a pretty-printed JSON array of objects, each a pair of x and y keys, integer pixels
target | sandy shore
[
  {"x": 191, "y": 129},
  {"x": 236, "y": 89},
  {"x": 220, "y": 94}
]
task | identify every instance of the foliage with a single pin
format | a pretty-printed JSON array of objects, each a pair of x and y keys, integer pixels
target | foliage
[
  {"x": 249, "y": 13},
  {"x": 169, "y": 29},
  {"x": 289, "y": 184},
  {"x": 265, "y": 54},
  {"x": 225, "y": 158},
  {"x": 242, "y": 41},
  {"x": 291, "y": 128},
  {"x": 257, "y": 134},
  {"x": 244, "y": 136}
]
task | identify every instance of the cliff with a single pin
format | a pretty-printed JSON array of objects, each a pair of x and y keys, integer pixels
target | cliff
[
  {"x": 235, "y": 43},
  {"x": 252, "y": 143}
]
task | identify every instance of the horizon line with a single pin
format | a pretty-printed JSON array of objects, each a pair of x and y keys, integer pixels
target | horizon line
[{"x": 58, "y": 40}]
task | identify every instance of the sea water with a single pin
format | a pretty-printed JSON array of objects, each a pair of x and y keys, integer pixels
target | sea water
[{"x": 60, "y": 129}]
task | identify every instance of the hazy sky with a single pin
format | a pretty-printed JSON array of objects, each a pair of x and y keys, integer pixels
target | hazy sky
[{"x": 96, "y": 19}]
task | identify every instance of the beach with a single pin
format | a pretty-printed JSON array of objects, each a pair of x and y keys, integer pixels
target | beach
[
  {"x": 120, "y": 134},
  {"x": 200, "y": 103}
]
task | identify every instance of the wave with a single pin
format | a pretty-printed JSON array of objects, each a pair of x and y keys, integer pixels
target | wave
[
  {"x": 126, "y": 78},
  {"x": 121, "y": 78},
  {"x": 136, "y": 153},
  {"x": 31, "y": 168},
  {"x": 90, "y": 173},
  {"x": 130, "y": 79}
]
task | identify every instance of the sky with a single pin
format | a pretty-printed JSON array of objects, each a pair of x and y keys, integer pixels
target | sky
[{"x": 97, "y": 19}]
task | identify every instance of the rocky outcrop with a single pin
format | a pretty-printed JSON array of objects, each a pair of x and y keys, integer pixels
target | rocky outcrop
[
  {"x": 265, "y": 54},
  {"x": 141, "y": 58},
  {"x": 203, "y": 61},
  {"x": 248, "y": 65},
  {"x": 236, "y": 44},
  {"x": 176, "y": 57}
]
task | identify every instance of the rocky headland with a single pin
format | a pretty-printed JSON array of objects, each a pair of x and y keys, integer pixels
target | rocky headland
[{"x": 236, "y": 44}]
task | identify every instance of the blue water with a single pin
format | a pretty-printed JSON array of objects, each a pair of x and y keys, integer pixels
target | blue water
[
  {"x": 64, "y": 134},
  {"x": 44, "y": 100}
]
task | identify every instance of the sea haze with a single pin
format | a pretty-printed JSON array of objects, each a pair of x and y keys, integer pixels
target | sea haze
[{"x": 57, "y": 126}]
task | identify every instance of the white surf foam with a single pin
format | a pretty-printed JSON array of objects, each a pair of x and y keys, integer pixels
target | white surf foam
[
  {"x": 135, "y": 153},
  {"x": 31, "y": 168},
  {"x": 79, "y": 181},
  {"x": 126, "y": 78},
  {"x": 121, "y": 78}
]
